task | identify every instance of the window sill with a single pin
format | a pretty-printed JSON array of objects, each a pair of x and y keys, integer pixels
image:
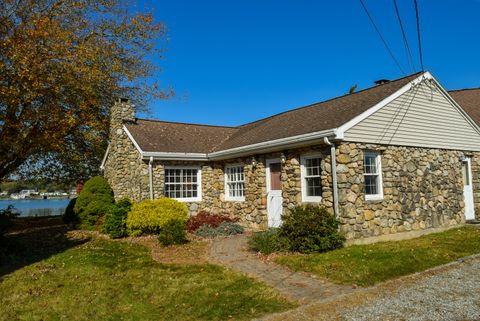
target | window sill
[
  {"x": 312, "y": 200},
  {"x": 232, "y": 199},
  {"x": 373, "y": 198},
  {"x": 188, "y": 200}
]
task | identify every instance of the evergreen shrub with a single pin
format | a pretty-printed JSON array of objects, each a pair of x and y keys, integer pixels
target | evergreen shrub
[
  {"x": 150, "y": 216},
  {"x": 93, "y": 202}
]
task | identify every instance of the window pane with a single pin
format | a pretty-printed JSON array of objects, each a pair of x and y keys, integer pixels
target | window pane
[
  {"x": 234, "y": 181},
  {"x": 314, "y": 186},
  {"x": 370, "y": 164},
  {"x": 371, "y": 184},
  {"x": 312, "y": 166},
  {"x": 181, "y": 183}
]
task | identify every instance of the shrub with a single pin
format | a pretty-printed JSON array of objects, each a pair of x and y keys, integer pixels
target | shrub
[
  {"x": 268, "y": 241},
  {"x": 115, "y": 220},
  {"x": 150, "y": 216},
  {"x": 6, "y": 218},
  {"x": 224, "y": 229},
  {"x": 203, "y": 218},
  {"x": 309, "y": 229},
  {"x": 93, "y": 202},
  {"x": 70, "y": 217},
  {"x": 173, "y": 232}
]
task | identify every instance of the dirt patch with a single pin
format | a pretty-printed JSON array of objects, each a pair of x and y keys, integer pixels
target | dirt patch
[{"x": 194, "y": 252}]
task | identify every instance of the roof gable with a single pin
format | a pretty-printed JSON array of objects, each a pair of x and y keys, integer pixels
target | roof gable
[{"x": 423, "y": 115}]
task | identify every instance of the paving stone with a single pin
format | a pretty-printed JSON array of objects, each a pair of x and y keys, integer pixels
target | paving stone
[{"x": 233, "y": 253}]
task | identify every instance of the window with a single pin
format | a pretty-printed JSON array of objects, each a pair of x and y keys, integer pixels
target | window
[
  {"x": 183, "y": 183},
  {"x": 234, "y": 183},
  {"x": 311, "y": 172},
  {"x": 372, "y": 173}
]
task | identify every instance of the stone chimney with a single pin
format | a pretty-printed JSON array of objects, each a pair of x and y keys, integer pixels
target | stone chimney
[{"x": 122, "y": 112}]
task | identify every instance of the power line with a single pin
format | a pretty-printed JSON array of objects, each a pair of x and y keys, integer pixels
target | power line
[
  {"x": 405, "y": 40},
  {"x": 418, "y": 33},
  {"x": 381, "y": 37}
]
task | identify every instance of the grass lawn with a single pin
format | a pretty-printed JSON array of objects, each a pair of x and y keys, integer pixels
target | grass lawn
[
  {"x": 366, "y": 265},
  {"x": 101, "y": 279}
]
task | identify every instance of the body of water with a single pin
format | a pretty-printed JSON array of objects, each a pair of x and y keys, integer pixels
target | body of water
[{"x": 40, "y": 207}]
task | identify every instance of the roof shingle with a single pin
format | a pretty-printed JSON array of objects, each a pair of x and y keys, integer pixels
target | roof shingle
[
  {"x": 161, "y": 136},
  {"x": 469, "y": 100}
]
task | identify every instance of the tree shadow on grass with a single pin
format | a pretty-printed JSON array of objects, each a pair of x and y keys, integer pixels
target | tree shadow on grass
[{"x": 33, "y": 240}]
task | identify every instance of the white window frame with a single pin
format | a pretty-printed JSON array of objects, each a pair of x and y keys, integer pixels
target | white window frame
[
  {"x": 378, "y": 163},
  {"x": 226, "y": 187},
  {"x": 303, "y": 174},
  {"x": 199, "y": 183}
]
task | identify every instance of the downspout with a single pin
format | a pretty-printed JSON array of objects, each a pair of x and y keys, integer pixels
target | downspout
[
  {"x": 333, "y": 158},
  {"x": 150, "y": 174}
]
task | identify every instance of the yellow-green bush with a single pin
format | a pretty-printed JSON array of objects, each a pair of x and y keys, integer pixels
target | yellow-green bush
[{"x": 150, "y": 216}]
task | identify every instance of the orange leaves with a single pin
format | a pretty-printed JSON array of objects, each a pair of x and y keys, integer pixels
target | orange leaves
[{"x": 62, "y": 64}]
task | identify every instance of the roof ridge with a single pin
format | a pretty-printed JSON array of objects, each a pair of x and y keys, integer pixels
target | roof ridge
[
  {"x": 184, "y": 123},
  {"x": 330, "y": 99}
]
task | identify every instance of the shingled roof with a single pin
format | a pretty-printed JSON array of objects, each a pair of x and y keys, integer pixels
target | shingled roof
[
  {"x": 161, "y": 136},
  {"x": 469, "y": 100}
]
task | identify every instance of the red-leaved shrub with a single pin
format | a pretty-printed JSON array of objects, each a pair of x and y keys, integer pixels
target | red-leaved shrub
[{"x": 203, "y": 217}]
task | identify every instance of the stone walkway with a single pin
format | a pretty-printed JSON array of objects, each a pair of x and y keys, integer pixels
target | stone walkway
[
  {"x": 233, "y": 253},
  {"x": 446, "y": 293}
]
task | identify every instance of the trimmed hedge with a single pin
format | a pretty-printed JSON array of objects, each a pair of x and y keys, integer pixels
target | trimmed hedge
[
  {"x": 93, "y": 202},
  {"x": 150, "y": 216},
  {"x": 115, "y": 220},
  {"x": 311, "y": 228}
]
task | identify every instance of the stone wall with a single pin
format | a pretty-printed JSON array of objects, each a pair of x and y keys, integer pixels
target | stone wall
[
  {"x": 124, "y": 169},
  {"x": 423, "y": 188},
  {"x": 252, "y": 212}
]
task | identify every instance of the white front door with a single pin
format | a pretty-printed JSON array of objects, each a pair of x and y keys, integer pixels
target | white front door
[
  {"x": 468, "y": 189},
  {"x": 274, "y": 192}
]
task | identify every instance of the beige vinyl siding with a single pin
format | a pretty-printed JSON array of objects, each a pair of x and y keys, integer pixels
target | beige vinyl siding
[{"x": 421, "y": 117}]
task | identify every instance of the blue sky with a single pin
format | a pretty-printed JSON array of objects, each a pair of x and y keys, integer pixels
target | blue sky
[{"x": 231, "y": 62}]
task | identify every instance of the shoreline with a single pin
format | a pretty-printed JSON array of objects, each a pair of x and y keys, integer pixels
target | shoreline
[{"x": 37, "y": 198}]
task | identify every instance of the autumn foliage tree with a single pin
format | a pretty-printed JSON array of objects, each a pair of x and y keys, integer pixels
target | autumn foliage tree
[{"x": 62, "y": 64}]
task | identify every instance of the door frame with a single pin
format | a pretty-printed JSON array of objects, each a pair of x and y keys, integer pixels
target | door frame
[
  {"x": 470, "y": 200},
  {"x": 268, "y": 184}
]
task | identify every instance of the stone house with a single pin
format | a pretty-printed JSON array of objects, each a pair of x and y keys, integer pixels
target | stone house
[{"x": 395, "y": 160}]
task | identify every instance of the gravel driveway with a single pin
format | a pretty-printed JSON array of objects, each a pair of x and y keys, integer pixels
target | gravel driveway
[
  {"x": 452, "y": 295},
  {"x": 450, "y": 292}
]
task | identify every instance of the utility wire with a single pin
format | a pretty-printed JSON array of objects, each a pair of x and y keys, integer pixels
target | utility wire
[
  {"x": 408, "y": 52},
  {"x": 381, "y": 37},
  {"x": 418, "y": 33}
]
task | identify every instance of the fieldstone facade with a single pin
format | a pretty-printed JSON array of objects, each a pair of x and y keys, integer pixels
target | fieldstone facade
[
  {"x": 124, "y": 169},
  {"x": 422, "y": 187},
  {"x": 252, "y": 212}
]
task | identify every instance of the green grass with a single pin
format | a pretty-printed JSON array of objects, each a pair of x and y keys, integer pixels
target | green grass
[
  {"x": 109, "y": 280},
  {"x": 366, "y": 265}
]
